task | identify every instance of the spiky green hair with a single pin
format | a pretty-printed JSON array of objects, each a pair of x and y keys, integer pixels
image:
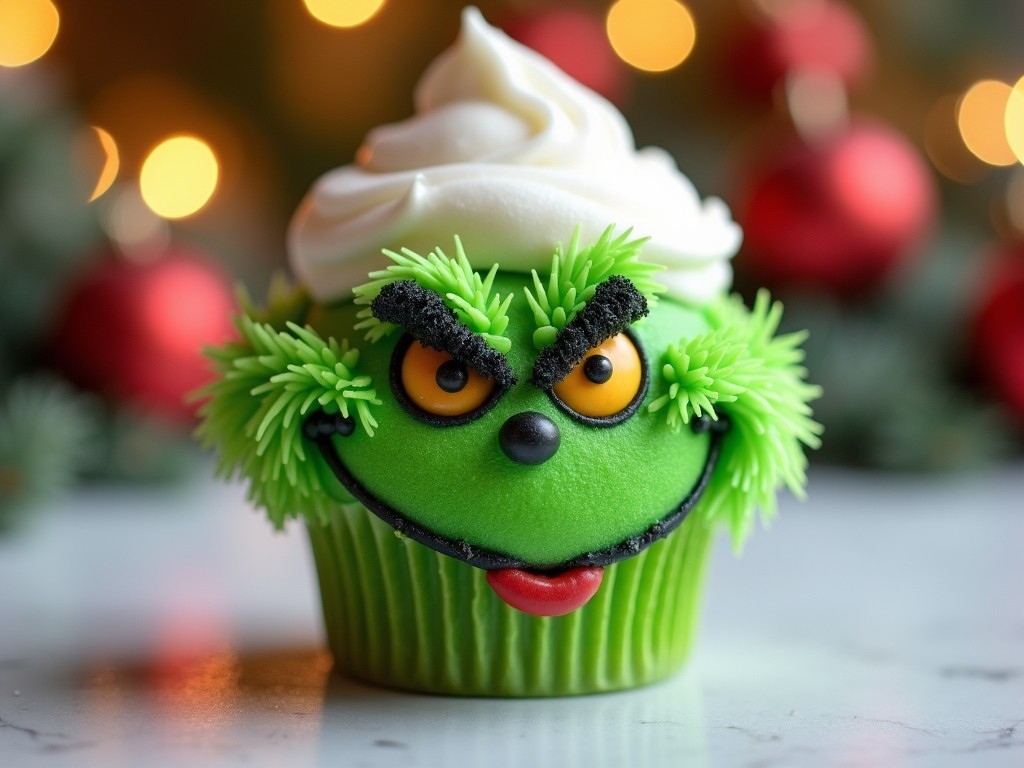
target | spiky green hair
[
  {"x": 267, "y": 381},
  {"x": 742, "y": 369},
  {"x": 575, "y": 274},
  {"x": 461, "y": 288}
]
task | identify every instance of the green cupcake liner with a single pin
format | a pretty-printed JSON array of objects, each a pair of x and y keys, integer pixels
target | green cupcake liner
[{"x": 399, "y": 614}]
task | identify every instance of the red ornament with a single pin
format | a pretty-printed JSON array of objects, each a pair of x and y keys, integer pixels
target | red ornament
[
  {"x": 820, "y": 35},
  {"x": 575, "y": 40},
  {"x": 836, "y": 215},
  {"x": 134, "y": 331},
  {"x": 998, "y": 331}
]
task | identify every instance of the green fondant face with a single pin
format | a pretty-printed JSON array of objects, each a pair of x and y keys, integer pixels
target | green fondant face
[{"x": 602, "y": 486}]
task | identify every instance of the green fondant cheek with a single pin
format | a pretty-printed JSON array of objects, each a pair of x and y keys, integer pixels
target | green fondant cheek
[{"x": 602, "y": 486}]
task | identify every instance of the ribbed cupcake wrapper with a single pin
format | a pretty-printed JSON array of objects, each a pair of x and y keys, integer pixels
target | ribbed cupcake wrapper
[{"x": 401, "y": 615}]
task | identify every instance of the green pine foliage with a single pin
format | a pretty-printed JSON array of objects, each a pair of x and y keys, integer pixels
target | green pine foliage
[
  {"x": 267, "y": 382},
  {"x": 48, "y": 234},
  {"x": 742, "y": 369},
  {"x": 575, "y": 274},
  {"x": 47, "y": 435},
  {"x": 462, "y": 289}
]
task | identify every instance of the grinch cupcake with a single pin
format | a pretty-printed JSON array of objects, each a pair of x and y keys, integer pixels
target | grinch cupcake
[{"x": 510, "y": 397}]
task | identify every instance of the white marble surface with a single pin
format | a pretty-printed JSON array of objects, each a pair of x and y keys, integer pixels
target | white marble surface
[{"x": 879, "y": 624}]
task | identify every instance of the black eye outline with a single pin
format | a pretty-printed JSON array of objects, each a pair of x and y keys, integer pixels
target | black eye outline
[
  {"x": 631, "y": 408},
  {"x": 403, "y": 399}
]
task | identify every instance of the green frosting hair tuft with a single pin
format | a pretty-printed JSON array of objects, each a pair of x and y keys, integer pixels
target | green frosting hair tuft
[
  {"x": 461, "y": 288},
  {"x": 575, "y": 274},
  {"x": 743, "y": 370},
  {"x": 267, "y": 382}
]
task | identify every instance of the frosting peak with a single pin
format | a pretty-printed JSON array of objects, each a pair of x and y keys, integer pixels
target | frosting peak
[{"x": 508, "y": 152}]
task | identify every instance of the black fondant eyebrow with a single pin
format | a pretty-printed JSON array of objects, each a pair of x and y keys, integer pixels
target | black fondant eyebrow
[
  {"x": 425, "y": 317},
  {"x": 615, "y": 305}
]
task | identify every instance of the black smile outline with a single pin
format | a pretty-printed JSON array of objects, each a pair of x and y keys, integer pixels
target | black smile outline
[{"x": 490, "y": 560}]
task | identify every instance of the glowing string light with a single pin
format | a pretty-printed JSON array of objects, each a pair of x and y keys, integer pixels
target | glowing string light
[
  {"x": 980, "y": 118},
  {"x": 179, "y": 176},
  {"x": 651, "y": 35},
  {"x": 343, "y": 13},
  {"x": 944, "y": 145},
  {"x": 111, "y": 162},
  {"x": 1014, "y": 120},
  {"x": 27, "y": 30}
]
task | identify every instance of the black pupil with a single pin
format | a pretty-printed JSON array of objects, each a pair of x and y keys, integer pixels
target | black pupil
[
  {"x": 452, "y": 376},
  {"x": 597, "y": 369}
]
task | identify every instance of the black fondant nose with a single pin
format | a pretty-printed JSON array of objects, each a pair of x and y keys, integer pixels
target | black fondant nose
[{"x": 529, "y": 438}]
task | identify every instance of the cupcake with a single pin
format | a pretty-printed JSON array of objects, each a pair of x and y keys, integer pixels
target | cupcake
[{"x": 510, "y": 396}]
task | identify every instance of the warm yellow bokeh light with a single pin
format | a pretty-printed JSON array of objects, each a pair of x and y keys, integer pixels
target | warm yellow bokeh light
[
  {"x": 111, "y": 162},
  {"x": 945, "y": 146},
  {"x": 179, "y": 177},
  {"x": 651, "y": 35},
  {"x": 343, "y": 13},
  {"x": 1014, "y": 120},
  {"x": 981, "y": 121},
  {"x": 27, "y": 30}
]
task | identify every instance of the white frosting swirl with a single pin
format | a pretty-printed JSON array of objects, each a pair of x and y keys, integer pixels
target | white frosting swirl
[{"x": 510, "y": 154}]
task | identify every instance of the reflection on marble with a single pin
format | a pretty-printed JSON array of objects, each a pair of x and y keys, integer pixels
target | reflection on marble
[
  {"x": 286, "y": 706},
  {"x": 878, "y": 625}
]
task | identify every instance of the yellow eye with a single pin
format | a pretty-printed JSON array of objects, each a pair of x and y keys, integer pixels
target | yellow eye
[
  {"x": 606, "y": 381},
  {"x": 439, "y": 385}
]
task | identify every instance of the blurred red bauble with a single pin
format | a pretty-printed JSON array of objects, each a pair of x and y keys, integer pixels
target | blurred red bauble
[
  {"x": 824, "y": 36},
  {"x": 836, "y": 215},
  {"x": 134, "y": 331},
  {"x": 575, "y": 40},
  {"x": 998, "y": 331}
]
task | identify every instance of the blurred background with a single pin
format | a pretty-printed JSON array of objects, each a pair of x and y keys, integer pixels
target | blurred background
[{"x": 152, "y": 153}]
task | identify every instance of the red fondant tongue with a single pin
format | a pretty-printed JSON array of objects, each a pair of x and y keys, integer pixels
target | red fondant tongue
[{"x": 541, "y": 595}]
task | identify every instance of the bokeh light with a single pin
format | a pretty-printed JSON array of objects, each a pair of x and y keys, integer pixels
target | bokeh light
[
  {"x": 27, "y": 30},
  {"x": 981, "y": 121},
  {"x": 136, "y": 232},
  {"x": 343, "y": 13},
  {"x": 179, "y": 177},
  {"x": 1014, "y": 120},
  {"x": 817, "y": 102},
  {"x": 651, "y": 35},
  {"x": 111, "y": 162},
  {"x": 944, "y": 145}
]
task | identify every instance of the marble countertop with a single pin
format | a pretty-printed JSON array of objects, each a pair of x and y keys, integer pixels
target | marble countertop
[{"x": 881, "y": 623}]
